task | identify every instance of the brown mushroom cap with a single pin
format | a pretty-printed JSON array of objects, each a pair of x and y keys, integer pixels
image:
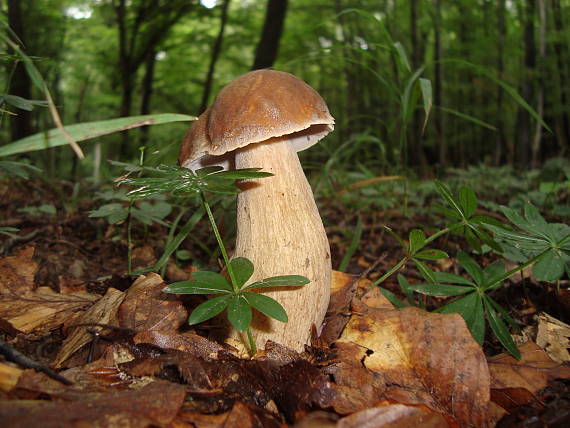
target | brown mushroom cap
[{"x": 253, "y": 108}]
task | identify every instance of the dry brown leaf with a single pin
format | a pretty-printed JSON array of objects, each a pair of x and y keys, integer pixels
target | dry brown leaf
[
  {"x": 102, "y": 312},
  {"x": 9, "y": 376},
  {"x": 554, "y": 337},
  {"x": 42, "y": 310},
  {"x": 532, "y": 372},
  {"x": 17, "y": 272},
  {"x": 154, "y": 405},
  {"x": 186, "y": 342},
  {"x": 424, "y": 358},
  {"x": 146, "y": 307},
  {"x": 240, "y": 416},
  {"x": 394, "y": 416}
]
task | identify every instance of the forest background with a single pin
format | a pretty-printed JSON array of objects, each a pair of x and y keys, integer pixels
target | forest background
[{"x": 484, "y": 71}]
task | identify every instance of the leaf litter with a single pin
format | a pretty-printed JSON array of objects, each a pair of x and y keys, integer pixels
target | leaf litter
[{"x": 134, "y": 361}]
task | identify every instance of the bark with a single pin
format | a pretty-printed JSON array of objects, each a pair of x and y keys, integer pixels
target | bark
[
  {"x": 20, "y": 85},
  {"x": 561, "y": 55},
  {"x": 438, "y": 86},
  {"x": 138, "y": 36},
  {"x": 147, "y": 86},
  {"x": 268, "y": 46},
  {"x": 537, "y": 139},
  {"x": 501, "y": 143},
  {"x": 527, "y": 92},
  {"x": 216, "y": 50}
]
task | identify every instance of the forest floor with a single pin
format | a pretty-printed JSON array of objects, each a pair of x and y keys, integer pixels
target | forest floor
[{"x": 111, "y": 349}]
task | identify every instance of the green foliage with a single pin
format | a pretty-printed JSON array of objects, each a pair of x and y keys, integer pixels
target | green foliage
[
  {"x": 19, "y": 169},
  {"x": 86, "y": 131},
  {"x": 238, "y": 298},
  {"x": 475, "y": 304},
  {"x": 39, "y": 210},
  {"x": 548, "y": 244}
]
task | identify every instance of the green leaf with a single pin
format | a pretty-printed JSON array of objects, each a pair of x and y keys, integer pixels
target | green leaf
[
  {"x": 403, "y": 58},
  {"x": 468, "y": 118},
  {"x": 550, "y": 267},
  {"x": 267, "y": 306},
  {"x": 444, "y": 191},
  {"x": 114, "y": 212},
  {"x": 451, "y": 278},
  {"x": 405, "y": 287},
  {"x": 476, "y": 320},
  {"x": 440, "y": 289},
  {"x": 242, "y": 174},
  {"x": 212, "y": 279},
  {"x": 431, "y": 254},
  {"x": 501, "y": 331},
  {"x": 471, "y": 267},
  {"x": 239, "y": 313},
  {"x": 417, "y": 239},
  {"x": 209, "y": 309},
  {"x": 354, "y": 241},
  {"x": 468, "y": 201},
  {"x": 427, "y": 96},
  {"x": 86, "y": 131},
  {"x": 392, "y": 298},
  {"x": 280, "y": 281},
  {"x": 242, "y": 269},
  {"x": 204, "y": 283},
  {"x": 425, "y": 270}
]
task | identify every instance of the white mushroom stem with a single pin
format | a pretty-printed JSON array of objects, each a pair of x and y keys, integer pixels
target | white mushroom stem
[{"x": 280, "y": 230}]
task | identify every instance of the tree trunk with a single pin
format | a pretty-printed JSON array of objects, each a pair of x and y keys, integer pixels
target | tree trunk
[
  {"x": 268, "y": 46},
  {"x": 536, "y": 142},
  {"x": 527, "y": 92},
  {"x": 20, "y": 85},
  {"x": 438, "y": 86},
  {"x": 561, "y": 57},
  {"x": 146, "y": 89},
  {"x": 216, "y": 50},
  {"x": 501, "y": 143}
]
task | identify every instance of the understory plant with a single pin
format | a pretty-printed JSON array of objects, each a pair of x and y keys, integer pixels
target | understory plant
[
  {"x": 532, "y": 242},
  {"x": 232, "y": 293}
]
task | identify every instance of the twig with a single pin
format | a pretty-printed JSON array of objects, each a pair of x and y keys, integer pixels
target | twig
[{"x": 17, "y": 357}]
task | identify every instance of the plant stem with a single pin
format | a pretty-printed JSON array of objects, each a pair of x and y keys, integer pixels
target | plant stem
[
  {"x": 252, "y": 346},
  {"x": 220, "y": 242},
  {"x": 390, "y": 272},
  {"x": 129, "y": 240},
  {"x": 517, "y": 269}
]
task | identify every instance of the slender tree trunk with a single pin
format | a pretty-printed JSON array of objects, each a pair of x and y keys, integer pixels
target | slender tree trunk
[
  {"x": 438, "y": 85},
  {"x": 527, "y": 92},
  {"x": 561, "y": 58},
  {"x": 20, "y": 85},
  {"x": 536, "y": 142},
  {"x": 147, "y": 84},
  {"x": 268, "y": 46},
  {"x": 216, "y": 50},
  {"x": 501, "y": 143}
]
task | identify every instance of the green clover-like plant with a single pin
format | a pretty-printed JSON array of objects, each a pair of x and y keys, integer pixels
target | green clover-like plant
[
  {"x": 475, "y": 304},
  {"x": 545, "y": 245},
  {"x": 235, "y": 296}
]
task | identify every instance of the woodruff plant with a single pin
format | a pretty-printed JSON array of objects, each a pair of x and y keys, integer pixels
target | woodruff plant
[
  {"x": 235, "y": 295},
  {"x": 540, "y": 244}
]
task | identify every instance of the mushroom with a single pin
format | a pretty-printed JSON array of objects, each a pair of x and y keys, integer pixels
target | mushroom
[{"x": 262, "y": 119}]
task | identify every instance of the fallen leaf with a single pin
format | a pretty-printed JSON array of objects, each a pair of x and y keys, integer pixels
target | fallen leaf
[
  {"x": 17, "y": 272},
  {"x": 394, "y": 416},
  {"x": 9, "y": 376},
  {"x": 424, "y": 358},
  {"x": 146, "y": 307},
  {"x": 43, "y": 310},
  {"x": 156, "y": 404},
  {"x": 554, "y": 337},
  {"x": 532, "y": 372},
  {"x": 102, "y": 312},
  {"x": 240, "y": 416},
  {"x": 186, "y": 342}
]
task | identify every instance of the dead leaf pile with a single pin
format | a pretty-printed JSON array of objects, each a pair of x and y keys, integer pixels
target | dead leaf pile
[{"x": 134, "y": 362}]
